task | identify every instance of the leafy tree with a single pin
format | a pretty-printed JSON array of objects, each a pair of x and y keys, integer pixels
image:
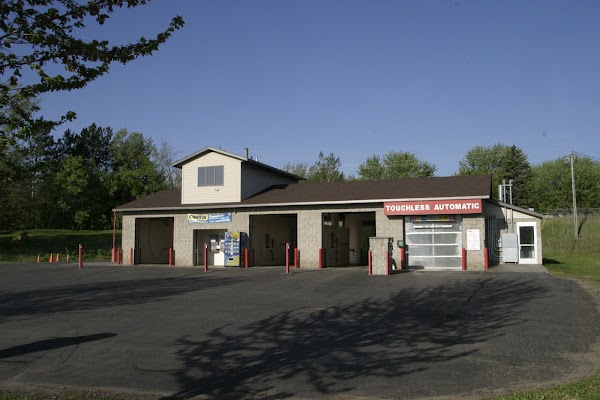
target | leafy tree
[
  {"x": 299, "y": 169},
  {"x": 92, "y": 144},
  {"x": 514, "y": 165},
  {"x": 371, "y": 169},
  {"x": 135, "y": 175},
  {"x": 482, "y": 160},
  {"x": 42, "y": 37},
  {"x": 395, "y": 165},
  {"x": 552, "y": 184},
  {"x": 78, "y": 204},
  {"x": 20, "y": 105},
  {"x": 501, "y": 162},
  {"x": 326, "y": 169},
  {"x": 14, "y": 195}
]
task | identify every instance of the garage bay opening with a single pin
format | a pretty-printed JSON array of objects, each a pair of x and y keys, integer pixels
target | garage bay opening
[
  {"x": 345, "y": 238},
  {"x": 153, "y": 239}
]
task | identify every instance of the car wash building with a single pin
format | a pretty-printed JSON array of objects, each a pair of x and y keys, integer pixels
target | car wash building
[{"x": 234, "y": 211}]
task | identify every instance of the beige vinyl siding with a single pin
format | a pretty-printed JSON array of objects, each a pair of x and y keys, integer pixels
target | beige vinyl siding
[
  {"x": 229, "y": 192},
  {"x": 256, "y": 179}
]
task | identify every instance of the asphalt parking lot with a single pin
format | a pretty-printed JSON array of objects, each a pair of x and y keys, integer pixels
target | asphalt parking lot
[{"x": 259, "y": 333}]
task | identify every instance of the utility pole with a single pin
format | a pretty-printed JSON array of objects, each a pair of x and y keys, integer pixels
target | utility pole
[{"x": 572, "y": 157}]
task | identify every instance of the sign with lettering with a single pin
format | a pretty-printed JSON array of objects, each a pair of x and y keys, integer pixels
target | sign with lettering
[
  {"x": 209, "y": 218},
  {"x": 424, "y": 207}
]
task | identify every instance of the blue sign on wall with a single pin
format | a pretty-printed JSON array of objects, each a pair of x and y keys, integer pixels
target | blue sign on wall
[{"x": 209, "y": 218}]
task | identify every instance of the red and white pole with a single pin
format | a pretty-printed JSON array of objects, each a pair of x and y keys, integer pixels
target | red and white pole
[
  {"x": 80, "y": 256},
  {"x": 205, "y": 257},
  {"x": 287, "y": 258},
  {"x": 245, "y": 257},
  {"x": 170, "y": 256},
  {"x": 464, "y": 259}
]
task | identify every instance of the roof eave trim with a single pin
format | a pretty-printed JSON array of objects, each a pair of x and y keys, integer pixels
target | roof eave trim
[
  {"x": 179, "y": 163},
  {"x": 519, "y": 209},
  {"x": 306, "y": 203}
]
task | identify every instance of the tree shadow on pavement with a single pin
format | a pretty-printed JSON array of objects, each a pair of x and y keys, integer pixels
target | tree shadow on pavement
[
  {"x": 51, "y": 344},
  {"x": 92, "y": 296},
  {"x": 337, "y": 349}
]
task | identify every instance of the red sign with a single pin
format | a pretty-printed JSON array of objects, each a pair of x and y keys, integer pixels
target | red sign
[{"x": 426, "y": 207}]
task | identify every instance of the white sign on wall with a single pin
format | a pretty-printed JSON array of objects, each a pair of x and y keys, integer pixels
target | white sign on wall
[{"x": 473, "y": 239}]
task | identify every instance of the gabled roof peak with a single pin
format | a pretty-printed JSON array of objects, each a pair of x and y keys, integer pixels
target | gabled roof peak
[{"x": 200, "y": 153}]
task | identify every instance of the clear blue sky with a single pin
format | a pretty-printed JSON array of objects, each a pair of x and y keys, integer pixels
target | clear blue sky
[{"x": 290, "y": 78}]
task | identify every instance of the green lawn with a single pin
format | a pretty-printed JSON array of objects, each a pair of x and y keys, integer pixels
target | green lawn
[
  {"x": 24, "y": 246},
  {"x": 576, "y": 265},
  {"x": 586, "y": 389}
]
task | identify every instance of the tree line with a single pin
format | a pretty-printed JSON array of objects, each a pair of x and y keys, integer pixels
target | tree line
[
  {"x": 544, "y": 187},
  {"x": 75, "y": 181}
]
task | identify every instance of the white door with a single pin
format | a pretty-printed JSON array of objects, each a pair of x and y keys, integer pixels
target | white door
[{"x": 527, "y": 243}]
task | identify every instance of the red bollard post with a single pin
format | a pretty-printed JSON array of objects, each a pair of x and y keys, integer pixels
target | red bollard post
[
  {"x": 112, "y": 255},
  {"x": 205, "y": 257},
  {"x": 402, "y": 258},
  {"x": 464, "y": 259},
  {"x": 131, "y": 256},
  {"x": 170, "y": 256},
  {"x": 80, "y": 256},
  {"x": 287, "y": 258},
  {"x": 245, "y": 257},
  {"x": 51, "y": 258},
  {"x": 57, "y": 257},
  {"x": 320, "y": 258},
  {"x": 370, "y": 257},
  {"x": 296, "y": 258},
  {"x": 486, "y": 259}
]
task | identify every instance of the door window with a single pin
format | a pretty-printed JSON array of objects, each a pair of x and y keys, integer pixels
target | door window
[{"x": 527, "y": 243}]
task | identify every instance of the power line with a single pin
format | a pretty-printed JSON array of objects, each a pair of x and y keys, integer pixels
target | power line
[{"x": 585, "y": 156}]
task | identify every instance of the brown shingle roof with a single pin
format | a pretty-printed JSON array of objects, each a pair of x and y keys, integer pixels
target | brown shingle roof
[{"x": 336, "y": 192}]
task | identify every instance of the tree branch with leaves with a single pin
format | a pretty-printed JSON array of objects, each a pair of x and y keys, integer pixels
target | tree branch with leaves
[{"x": 42, "y": 38}]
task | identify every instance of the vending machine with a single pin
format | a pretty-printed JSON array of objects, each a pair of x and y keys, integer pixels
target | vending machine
[{"x": 234, "y": 245}]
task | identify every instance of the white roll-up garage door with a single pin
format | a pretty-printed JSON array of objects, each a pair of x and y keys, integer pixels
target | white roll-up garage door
[{"x": 434, "y": 241}]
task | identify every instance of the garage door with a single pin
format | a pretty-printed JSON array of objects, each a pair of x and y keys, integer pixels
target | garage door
[{"x": 434, "y": 241}]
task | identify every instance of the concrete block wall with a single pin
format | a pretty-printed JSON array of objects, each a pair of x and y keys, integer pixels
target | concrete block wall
[
  {"x": 390, "y": 226},
  {"x": 475, "y": 258},
  {"x": 310, "y": 224},
  {"x": 379, "y": 248},
  {"x": 127, "y": 236}
]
